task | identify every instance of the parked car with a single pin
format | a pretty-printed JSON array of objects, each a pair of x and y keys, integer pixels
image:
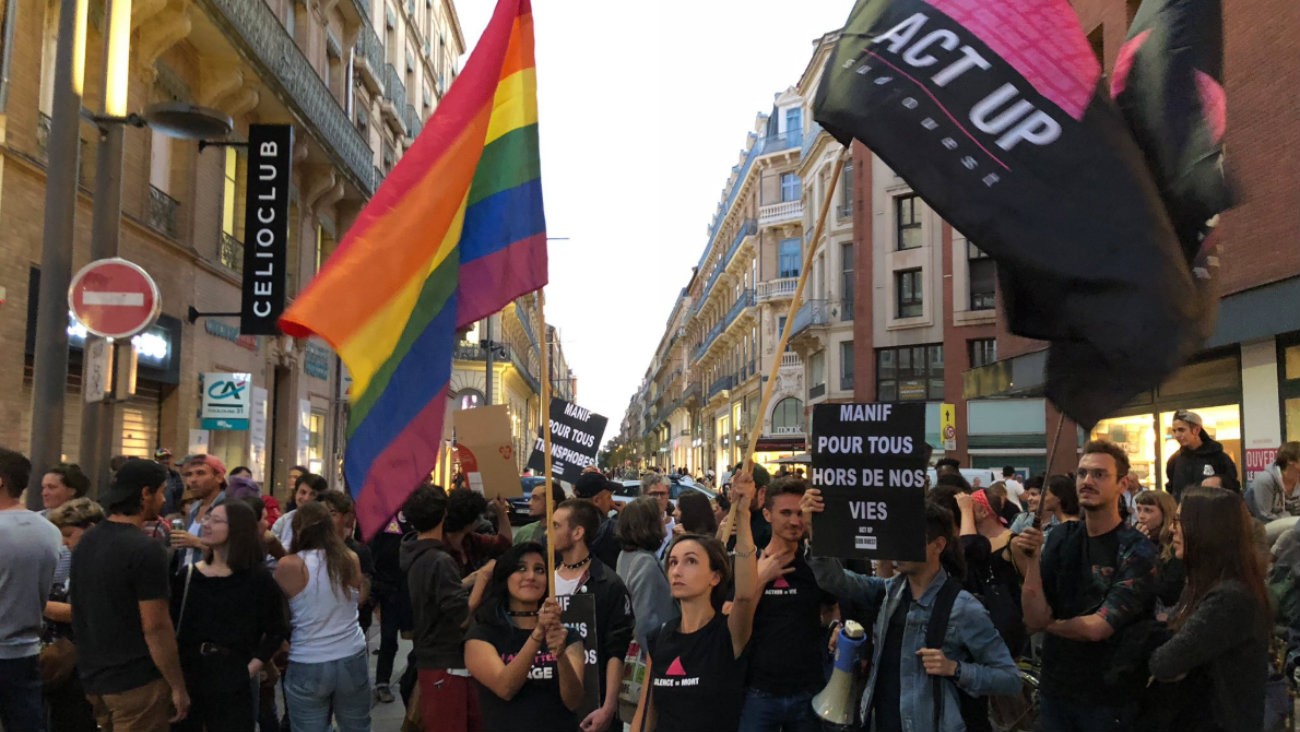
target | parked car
[
  {"x": 519, "y": 510},
  {"x": 677, "y": 485}
]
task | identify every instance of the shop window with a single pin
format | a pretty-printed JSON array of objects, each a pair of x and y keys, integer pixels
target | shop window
[
  {"x": 1148, "y": 441},
  {"x": 907, "y": 215},
  {"x": 316, "y": 441},
  {"x": 910, "y": 373},
  {"x": 1289, "y": 386}
]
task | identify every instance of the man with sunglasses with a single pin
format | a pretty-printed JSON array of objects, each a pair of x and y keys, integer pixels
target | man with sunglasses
[{"x": 1199, "y": 456}]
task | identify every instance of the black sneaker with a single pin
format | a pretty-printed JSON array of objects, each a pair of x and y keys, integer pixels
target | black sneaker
[{"x": 383, "y": 693}]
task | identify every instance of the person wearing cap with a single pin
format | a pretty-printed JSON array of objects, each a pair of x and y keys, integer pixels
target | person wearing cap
[
  {"x": 600, "y": 491},
  {"x": 126, "y": 644},
  {"x": 1198, "y": 457},
  {"x": 175, "y": 490},
  {"x": 205, "y": 483}
]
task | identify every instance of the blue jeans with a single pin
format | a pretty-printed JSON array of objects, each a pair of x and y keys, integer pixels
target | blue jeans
[
  {"x": 312, "y": 689},
  {"x": 764, "y": 712},
  {"x": 1057, "y": 714},
  {"x": 22, "y": 708}
]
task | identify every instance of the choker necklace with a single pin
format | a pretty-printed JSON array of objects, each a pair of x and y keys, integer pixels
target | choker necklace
[
  {"x": 522, "y": 613},
  {"x": 578, "y": 564}
]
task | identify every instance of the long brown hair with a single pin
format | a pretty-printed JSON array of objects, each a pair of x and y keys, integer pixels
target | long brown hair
[
  {"x": 313, "y": 529},
  {"x": 1218, "y": 545},
  {"x": 244, "y": 548},
  {"x": 1168, "y": 516}
]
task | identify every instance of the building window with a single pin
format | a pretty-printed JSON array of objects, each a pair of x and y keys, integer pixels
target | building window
[
  {"x": 469, "y": 399},
  {"x": 791, "y": 187},
  {"x": 907, "y": 286},
  {"x": 787, "y": 417},
  {"x": 316, "y": 441},
  {"x": 907, "y": 214},
  {"x": 817, "y": 368},
  {"x": 983, "y": 351},
  {"x": 910, "y": 373},
  {"x": 788, "y": 258},
  {"x": 846, "y": 281},
  {"x": 793, "y": 121},
  {"x": 983, "y": 279},
  {"x": 846, "y": 365}
]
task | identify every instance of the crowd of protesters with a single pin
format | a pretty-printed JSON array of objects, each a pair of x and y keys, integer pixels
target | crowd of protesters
[{"x": 1128, "y": 609}]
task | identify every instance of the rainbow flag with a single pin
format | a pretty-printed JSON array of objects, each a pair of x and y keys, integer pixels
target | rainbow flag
[{"x": 455, "y": 233}]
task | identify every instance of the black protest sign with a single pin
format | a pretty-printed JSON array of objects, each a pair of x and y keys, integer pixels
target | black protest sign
[
  {"x": 578, "y": 613},
  {"x": 575, "y": 440},
  {"x": 869, "y": 462}
]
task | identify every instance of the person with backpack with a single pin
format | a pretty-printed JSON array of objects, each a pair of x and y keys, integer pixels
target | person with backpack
[{"x": 924, "y": 616}]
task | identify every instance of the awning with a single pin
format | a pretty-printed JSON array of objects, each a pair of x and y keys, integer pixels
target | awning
[{"x": 780, "y": 444}]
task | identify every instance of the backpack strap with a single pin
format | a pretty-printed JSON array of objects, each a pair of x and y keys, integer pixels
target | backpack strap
[{"x": 934, "y": 633}]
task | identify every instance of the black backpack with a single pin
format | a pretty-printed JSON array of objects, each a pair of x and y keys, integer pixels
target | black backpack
[{"x": 934, "y": 633}]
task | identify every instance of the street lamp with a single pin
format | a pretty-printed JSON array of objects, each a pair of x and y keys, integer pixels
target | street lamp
[{"x": 51, "y": 357}]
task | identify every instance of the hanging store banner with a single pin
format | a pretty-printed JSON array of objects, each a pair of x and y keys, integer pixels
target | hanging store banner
[
  {"x": 227, "y": 401},
  {"x": 869, "y": 462},
  {"x": 266, "y": 228}
]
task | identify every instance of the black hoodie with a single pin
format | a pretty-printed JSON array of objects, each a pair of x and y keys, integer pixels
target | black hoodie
[
  {"x": 1187, "y": 468},
  {"x": 440, "y": 604}
]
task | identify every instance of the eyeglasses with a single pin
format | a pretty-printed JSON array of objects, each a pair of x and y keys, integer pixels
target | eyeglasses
[{"x": 658, "y": 494}]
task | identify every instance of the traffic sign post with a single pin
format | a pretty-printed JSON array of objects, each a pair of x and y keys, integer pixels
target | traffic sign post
[{"x": 114, "y": 298}]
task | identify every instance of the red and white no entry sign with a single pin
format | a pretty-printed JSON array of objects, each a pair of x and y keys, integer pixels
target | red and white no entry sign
[{"x": 114, "y": 298}]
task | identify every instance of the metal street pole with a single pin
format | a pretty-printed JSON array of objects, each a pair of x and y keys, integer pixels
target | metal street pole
[
  {"x": 491, "y": 349},
  {"x": 50, "y": 367},
  {"x": 97, "y": 417}
]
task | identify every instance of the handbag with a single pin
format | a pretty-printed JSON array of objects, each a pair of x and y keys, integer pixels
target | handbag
[
  {"x": 185, "y": 598},
  {"x": 57, "y": 662}
]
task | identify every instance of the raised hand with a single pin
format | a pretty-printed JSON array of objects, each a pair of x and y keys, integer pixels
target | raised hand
[
  {"x": 1028, "y": 543},
  {"x": 812, "y": 501},
  {"x": 771, "y": 566}
]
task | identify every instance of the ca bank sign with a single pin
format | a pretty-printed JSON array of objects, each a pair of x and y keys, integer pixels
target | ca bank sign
[{"x": 227, "y": 401}]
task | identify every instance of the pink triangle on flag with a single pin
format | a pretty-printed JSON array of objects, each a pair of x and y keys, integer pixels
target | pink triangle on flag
[
  {"x": 675, "y": 668},
  {"x": 780, "y": 584}
]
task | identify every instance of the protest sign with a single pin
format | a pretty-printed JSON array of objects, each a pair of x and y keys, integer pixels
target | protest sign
[
  {"x": 575, "y": 441},
  {"x": 485, "y": 450},
  {"x": 578, "y": 613},
  {"x": 869, "y": 462}
]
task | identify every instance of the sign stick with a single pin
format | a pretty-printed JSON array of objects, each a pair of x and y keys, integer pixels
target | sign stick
[
  {"x": 795, "y": 301},
  {"x": 545, "y": 413}
]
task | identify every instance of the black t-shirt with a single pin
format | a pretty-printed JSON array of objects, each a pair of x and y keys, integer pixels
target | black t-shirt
[
  {"x": 537, "y": 706},
  {"x": 889, "y": 682},
  {"x": 698, "y": 683},
  {"x": 787, "y": 648},
  {"x": 114, "y": 569},
  {"x": 1114, "y": 576}
]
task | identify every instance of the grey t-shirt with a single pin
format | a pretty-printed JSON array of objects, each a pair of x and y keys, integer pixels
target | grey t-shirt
[{"x": 30, "y": 546}]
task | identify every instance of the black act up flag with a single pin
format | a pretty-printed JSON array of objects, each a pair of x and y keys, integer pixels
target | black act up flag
[
  {"x": 994, "y": 113},
  {"x": 1168, "y": 82}
]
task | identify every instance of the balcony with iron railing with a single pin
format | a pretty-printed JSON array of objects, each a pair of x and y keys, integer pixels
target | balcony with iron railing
[
  {"x": 810, "y": 139},
  {"x": 747, "y": 228},
  {"x": 787, "y": 140},
  {"x": 413, "y": 122},
  {"x": 162, "y": 214},
  {"x": 811, "y": 313},
  {"x": 281, "y": 65},
  {"x": 720, "y": 385},
  {"x": 817, "y": 391},
  {"x": 466, "y": 351},
  {"x": 231, "y": 253},
  {"x": 745, "y": 300},
  {"x": 369, "y": 59},
  {"x": 778, "y": 289},
  {"x": 394, "y": 102}
]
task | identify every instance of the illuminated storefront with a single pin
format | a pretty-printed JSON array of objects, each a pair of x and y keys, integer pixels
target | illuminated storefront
[
  {"x": 1211, "y": 387},
  {"x": 1289, "y": 385}
]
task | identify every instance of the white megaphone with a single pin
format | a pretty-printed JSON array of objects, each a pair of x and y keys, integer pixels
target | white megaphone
[{"x": 835, "y": 703}]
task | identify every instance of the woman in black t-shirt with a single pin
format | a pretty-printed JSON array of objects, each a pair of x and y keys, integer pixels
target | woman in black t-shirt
[
  {"x": 527, "y": 665},
  {"x": 695, "y": 676},
  {"x": 230, "y": 619}
]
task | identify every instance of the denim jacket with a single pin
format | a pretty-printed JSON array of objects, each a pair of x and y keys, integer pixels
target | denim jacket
[{"x": 971, "y": 639}]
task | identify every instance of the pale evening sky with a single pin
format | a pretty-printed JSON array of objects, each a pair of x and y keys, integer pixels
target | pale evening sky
[{"x": 643, "y": 109}]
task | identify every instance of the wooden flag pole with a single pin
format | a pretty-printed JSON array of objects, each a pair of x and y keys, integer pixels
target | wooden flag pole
[
  {"x": 795, "y": 302},
  {"x": 545, "y": 367}
]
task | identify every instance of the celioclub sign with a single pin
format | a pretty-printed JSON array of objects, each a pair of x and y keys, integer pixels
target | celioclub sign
[{"x": 114, "y": 298}]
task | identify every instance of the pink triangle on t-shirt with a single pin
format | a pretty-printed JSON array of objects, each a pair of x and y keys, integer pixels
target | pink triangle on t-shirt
[
  {"x": 675, "y": 668},
  {"x": 780, "y": 584}
]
